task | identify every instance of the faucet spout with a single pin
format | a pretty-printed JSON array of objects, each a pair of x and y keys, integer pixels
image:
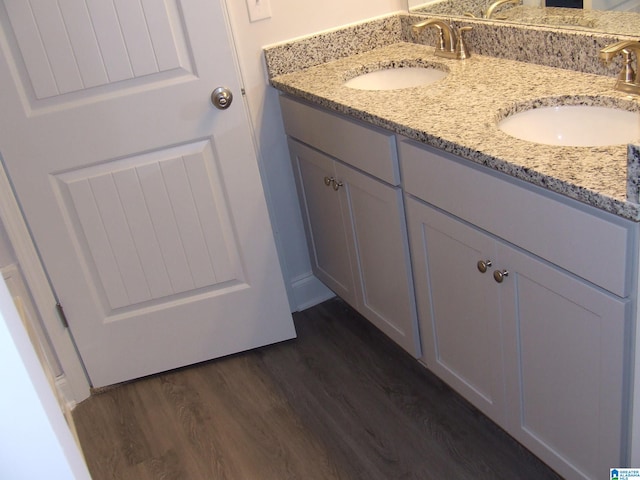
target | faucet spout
[
  {"x": 498, "y": 3},
  {"x": 610, "y": 51},
  {"x": 446, "y": 34}
]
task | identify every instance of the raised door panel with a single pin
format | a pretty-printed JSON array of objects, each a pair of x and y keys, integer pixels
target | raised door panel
[
  {"x": 153, "y": 226},
  {"x": 385, "y": 293},
  {"x": 458, "y": 306},
  {"x": 72, "y": 46},
  {"x": 330, "y": 241},
  {"x": 565, "y": 353}
]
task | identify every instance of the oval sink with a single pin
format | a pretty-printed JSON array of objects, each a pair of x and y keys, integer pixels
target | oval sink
[
  {"x": 396, "y": 78},
  {"x": 574, "y": 125}
]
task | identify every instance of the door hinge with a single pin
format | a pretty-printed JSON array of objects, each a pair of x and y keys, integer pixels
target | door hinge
[{"x": 63, "y": 317}]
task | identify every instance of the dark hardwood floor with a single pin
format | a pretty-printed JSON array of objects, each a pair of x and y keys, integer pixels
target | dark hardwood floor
[{"x": 341, "y": 401}]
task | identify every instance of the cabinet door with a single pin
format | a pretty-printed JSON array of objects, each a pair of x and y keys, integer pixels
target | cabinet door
[
  {"x": 330, "y": 241},
  {"x": 385, "y": 292},
  {"x": 458, "y": 306},
  {"x": 564, "y": 352}
]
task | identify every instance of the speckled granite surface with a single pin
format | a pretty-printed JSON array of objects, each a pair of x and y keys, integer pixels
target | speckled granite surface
[
  {"x": 459, "y": 114},
  {"x": 456, "y": 7},
  {"x": 323, "y": 47},
  {"x": 633, "y": 173},
  {"x": 568, "y": 49},
  {"x": 573, "y": 50},
  {"x": 617, "y": 22}
]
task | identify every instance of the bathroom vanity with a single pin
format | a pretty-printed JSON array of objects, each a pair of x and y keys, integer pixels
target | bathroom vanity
[
  {"x": 349, "y": 183},
  {"x": 508, "y": 268}
]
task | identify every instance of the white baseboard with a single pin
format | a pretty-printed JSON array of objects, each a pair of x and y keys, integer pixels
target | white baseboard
[
  {"x": 64, "y": 394},
  {"x": 309, "y": 291}
]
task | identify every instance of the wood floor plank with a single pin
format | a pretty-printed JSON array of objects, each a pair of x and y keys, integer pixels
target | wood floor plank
[
  {"x": 339, "y": 402},
  {"x": 260, "y": 423}
]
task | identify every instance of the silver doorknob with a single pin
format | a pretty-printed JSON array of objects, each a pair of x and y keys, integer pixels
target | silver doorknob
[
  {"x": 221, "y": 98},
  {"x": 499, "y": 276}
]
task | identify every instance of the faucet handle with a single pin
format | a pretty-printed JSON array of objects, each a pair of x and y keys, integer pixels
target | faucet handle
[
  {"x": 441, "y": 40},
  {"x": 462, "y": 51},
  {"x": 627, "y": 74}
]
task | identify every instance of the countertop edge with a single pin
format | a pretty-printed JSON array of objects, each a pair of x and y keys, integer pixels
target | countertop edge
[{"x": 624, "y": 209}]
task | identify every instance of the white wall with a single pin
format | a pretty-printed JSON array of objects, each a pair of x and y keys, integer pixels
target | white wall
[
  {"x": 35, "y": 441},
  {"x": 290, "y": 19}
]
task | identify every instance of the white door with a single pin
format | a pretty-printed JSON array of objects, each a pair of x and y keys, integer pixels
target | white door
[{"x": 144, "y": 200}]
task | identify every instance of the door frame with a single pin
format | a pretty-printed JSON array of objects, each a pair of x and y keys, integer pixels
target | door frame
[{"x": 73, "y": 385}]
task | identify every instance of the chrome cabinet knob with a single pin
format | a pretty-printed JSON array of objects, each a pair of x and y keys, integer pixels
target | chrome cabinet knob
[
  {"x": 328, "y": 181},
  {"x": 483, "y": 265},
  {"x": 221, "y": 98},
  {"x": 499, "y": 275}
]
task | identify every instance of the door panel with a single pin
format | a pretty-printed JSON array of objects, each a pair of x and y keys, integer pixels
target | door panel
[
  {"x": 329, "y": 237},
  {"x": 381, "y": 257},
  {"x": 73, "y": 45},
  {"x": 566, "y": 375},
  {"x": 144, "y": 200},
  {"x": 458, "y": 306},
  {"x": 152, "y": 225}
]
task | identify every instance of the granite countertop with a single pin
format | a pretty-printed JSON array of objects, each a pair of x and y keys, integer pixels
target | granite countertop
[{"x": 459, "y": 114}]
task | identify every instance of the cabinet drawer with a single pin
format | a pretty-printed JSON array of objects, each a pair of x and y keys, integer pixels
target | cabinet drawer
[
  {"x": 366, "y": 148},
  {"x": 581, "y": 239}
]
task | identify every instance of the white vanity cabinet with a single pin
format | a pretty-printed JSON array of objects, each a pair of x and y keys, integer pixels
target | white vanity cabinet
[
  {"x": 523, "y": 306},
  {"x": 524, "y": 297},
  {"x": 348, "y": 183}
]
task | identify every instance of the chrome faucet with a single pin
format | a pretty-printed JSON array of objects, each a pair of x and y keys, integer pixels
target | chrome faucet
[
  {"x": 492, "y": 8},
  {"x": 628, "y": 80},
  {"x": 450, "y": 45}
]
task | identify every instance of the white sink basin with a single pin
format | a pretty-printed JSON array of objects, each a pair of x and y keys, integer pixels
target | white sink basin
[
  {"x": 396, "y": 78},
  {"x": 574, "y": 125}
]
